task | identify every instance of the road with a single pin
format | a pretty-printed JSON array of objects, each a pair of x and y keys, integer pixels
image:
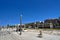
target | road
[{"x": 12, "y": 35}]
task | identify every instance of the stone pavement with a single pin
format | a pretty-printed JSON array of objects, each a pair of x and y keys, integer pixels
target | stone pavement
[
  {"x": 12, "y": 35},
  {"x": 34, "y": 36}
]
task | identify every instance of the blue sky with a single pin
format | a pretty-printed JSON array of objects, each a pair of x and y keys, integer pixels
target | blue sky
[{"x": 31, "y": 10}]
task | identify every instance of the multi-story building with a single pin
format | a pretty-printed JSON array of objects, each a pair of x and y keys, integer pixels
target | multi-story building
[{"x": 55, "y": 22}]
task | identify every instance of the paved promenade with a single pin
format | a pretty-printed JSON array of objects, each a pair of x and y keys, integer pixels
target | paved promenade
[{"x": 12, "y": 35}]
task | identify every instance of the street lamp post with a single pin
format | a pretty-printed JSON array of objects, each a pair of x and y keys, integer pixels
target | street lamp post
[{"x": 20, "y": 24}]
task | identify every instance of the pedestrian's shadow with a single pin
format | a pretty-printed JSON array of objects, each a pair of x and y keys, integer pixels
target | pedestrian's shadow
[{"x": 39, "y": 36}]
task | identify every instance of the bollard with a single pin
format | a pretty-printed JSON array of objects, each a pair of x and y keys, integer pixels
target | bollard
[{"x": 40, "y": 34}]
